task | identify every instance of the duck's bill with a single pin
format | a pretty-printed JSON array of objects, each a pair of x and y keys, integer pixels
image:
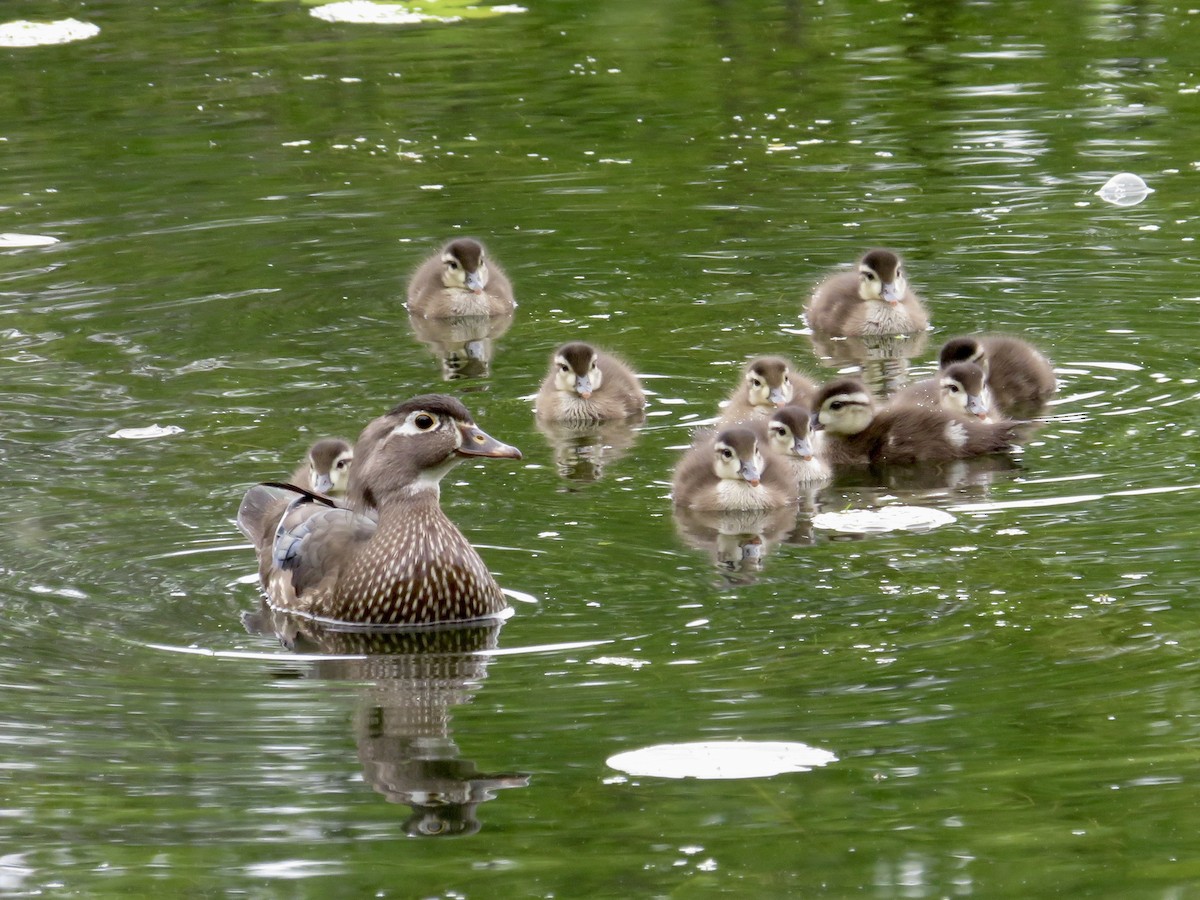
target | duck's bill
[{"x": 477, "y": 442}]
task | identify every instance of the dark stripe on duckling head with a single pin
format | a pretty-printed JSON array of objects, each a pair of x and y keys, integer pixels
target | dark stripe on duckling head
[
  {"x": 578, "y": 355},
  {"x": 962, "y": 349},
  {"x": 883, "y": 263},
  {"x": 467, "y": 251}
]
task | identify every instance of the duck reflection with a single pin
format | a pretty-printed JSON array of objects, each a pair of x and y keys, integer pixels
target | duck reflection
[
  {"x": 881, "y": 358},
  {"x": 464, "y": 344},
  {"x": 737, "y": 541},
  {"x": 582, "y": 451},
  {"x": 413, "y": 679}
]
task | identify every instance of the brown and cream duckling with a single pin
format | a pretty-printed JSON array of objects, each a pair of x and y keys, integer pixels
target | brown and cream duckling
[
  {"x": 960, "y": 388},
  {"x": 588, "y": 385},
  {"x": 1019, "y": 378},
  {"x": 875, "y": 299},
  {"x": 768, "y": 383},
  {"x": 790, "y": 437},
  {"x": 729, "y": 470},
  {"x": 410, "y": 564},
  {"x": 459, "y": 280},
  {"x": 326, "y": 467},
  {"x": 854, "y": 434}
]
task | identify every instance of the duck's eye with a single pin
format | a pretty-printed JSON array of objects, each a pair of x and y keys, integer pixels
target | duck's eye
[
  {"x": 563, "y": 367},
  {"x": 870, "y": 276},
  {"x": 778, "y": 432},
  {"x": 836, "y": 405},
  {"x": 727, "y": 453},
  {"x": 424, "y": 421},
  {"x": 952, "y": 388},
  {"x": 341, "y": 463},
  {"x": 757, "y": 382},
  {"x": 452, "y": 264}
]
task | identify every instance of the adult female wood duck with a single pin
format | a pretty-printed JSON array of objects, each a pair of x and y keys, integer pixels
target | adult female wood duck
[
  {"x": 585, "y": 384},
  {"x": 1019, "y": 378},
  {"x": 730, "y": 470},
  {"x": 408, "y": 565},
  {"x": 459, "y": 280},
  {"x": 768, "y": 383},
  {"x": 901, "y": 433},
  {"x": 960, "y": 388},
  {"x": 326, "y": 467},
  {"x": 875, "y": 299}
]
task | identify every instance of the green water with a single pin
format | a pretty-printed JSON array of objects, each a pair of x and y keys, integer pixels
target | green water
[{"x": 240, "y": 191}]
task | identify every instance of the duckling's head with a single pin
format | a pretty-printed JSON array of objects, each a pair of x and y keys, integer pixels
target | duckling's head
[
  {"x": 736, "y": 456},
  {"x": 329, "y": 463},
  {"x": 464, "y": 265},
  {"x": 411, "y": 448},
  {"x": 768, "y": 381},
  {"x": 881, "y": 277},
  {"x": 962, "y": 386},
  {"x": 963, "y": 349},
  {"x": 577, "y": 369},
  {"x": 843, "y": 407},
  {"x": 788, "y": 432}
]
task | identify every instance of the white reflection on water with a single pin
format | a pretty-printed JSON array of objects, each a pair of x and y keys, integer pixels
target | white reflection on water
[{"x": 710, "y": 760}]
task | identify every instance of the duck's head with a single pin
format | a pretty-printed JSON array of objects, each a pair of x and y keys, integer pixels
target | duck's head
[
  {"x": 329, "y": 462},
  {"x": 962, "y": 388},
  {"x": 768, "y": 381},
  {"x": 464, "y": 265},
  {"x": 736, "y": 456},
  {"x": 881, "y": 277},
  {"x": 412, "y": 447},
  {"x": 843, "y": 407},
  {"x": 963, "y": 349},
  {"x": 577, "y": 369},
  {"x": 788, "y": 432}
]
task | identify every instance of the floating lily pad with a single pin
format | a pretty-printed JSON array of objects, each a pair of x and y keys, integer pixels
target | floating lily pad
[
  {"x": 380, "y": 12},
  {"x": 23, "y": 33},
  {"x": 1125, "y": 189},
  {"x": 886, "y": 518},
  {"x": 10, "y": 239},
  {"x": 712, "y": 760}
]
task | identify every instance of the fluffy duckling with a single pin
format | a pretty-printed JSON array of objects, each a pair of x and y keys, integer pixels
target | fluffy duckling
[
  {"x": 873, "y": 300},
  {"x": 729, "y": 471},
  {"x": 768, "y": 383},
  {"x": 587, "y": 385},
  {"x": 901, "y": 433},
  {"x": 960, "y": 388},
  {"x": 1019, "y": 377},
  {"x": 459, "y": 280},
  {"x": 789, "y": 437},
  {"x": 326, "y": 467},
  {"x": 410, "y": 564}
]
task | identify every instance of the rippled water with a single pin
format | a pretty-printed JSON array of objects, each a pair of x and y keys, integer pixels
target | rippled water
[{"x": 239, "y": 193}]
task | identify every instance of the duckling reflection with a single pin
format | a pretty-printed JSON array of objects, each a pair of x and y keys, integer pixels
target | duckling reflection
[
  {"x": 882, "y": 359},
  {"x": 402, "y": 726},
  {"x": 465, "y": 345},
  {"x": 737, "y": 541},
  {"x": 582, "y": 452}
]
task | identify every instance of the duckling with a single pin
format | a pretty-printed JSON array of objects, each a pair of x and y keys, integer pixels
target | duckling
[
  {"x": 587, "y": 385},
  {"x": 1019, "y": 377},
  {"x": 768, "y": 383},
  {"x": 901, "y": 433},
  {"x": 410, "y": 565},
  {"x": 960, "y": 388},
  {"x": 874, "y": 300},
  {"x": 326, "y": 467},
  {"x": 459, "y": 280},
  {"x": 789, "y": 437},
  {"x": 729, "y": 470}
]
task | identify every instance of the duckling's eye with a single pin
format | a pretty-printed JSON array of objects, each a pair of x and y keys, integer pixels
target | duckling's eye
[
  {"x": 424, "y": 421},
  {"x": 341, "y": 463},
  {"x": 757, "y": 382},
  {"x": 870, "y": 276},
  {"x": 452, "y": 264},
  {"x": 952, "y": 388},
  {"x": 778, "y": 432},
  {"x": 836, "y": 405},
  {"x": 727, "y": 453},
  {"x": 563, "y": 367}
]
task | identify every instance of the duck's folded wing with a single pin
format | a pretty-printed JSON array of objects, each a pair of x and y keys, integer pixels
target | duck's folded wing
[{"x": 313, "y": 541}]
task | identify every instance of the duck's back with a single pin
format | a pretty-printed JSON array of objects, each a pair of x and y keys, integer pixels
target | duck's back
[
  {"x": 1019, "y": 376},
  {"x": 835, "y": 307},
  {"x": 905, "y": 433}
]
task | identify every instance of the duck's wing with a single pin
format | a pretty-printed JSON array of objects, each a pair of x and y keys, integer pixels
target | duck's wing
[{"x": 314, "y": 538}]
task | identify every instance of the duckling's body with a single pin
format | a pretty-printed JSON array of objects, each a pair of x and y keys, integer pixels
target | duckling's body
[
  {"x": 901, "y": 433},
  {"x": 960, "y": 388},
  {"x": 460, "y": 280},
  {"x": 1020, "y": 379},
  {"x": 789, "y": 436},
  {"x": 729, "y": 470},
  {"x": 768, "y": 383},
  {"x": 408, "y": 563},
  {"x": 588, "y": 385},
  {"x": 326, "y": 467},
  {"x": 875, "y": 299}
]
